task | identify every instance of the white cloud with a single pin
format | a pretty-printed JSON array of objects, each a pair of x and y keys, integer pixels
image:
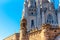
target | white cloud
[
  {"x": 59, "y": 4},
  {"x": 49, "y": 0}
]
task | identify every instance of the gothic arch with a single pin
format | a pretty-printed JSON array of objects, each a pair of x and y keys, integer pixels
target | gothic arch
[
  {"x": 49, "y": 19},
  {"x": 32, "y": 23}
]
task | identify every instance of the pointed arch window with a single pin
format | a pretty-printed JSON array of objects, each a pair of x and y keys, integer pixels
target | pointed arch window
[
  {"x": 32, "y": 13},
  {"x": 45, "y": 9},
  {"x": 49, "y": 19},
  {"x": 32, "y": 23}
]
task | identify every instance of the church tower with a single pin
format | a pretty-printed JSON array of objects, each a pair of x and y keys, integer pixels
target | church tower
[
  {"x": 49, "y": 15},
  {"x": 32, "y": 14},
  {"x": 40, "y": 21},
  {"x": 39, "y": 12}
]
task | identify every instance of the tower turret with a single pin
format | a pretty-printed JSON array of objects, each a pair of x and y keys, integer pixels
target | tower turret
[
  {"x": 25, "y": 10},
  {"x": 32, "y": 3},
  {"x": 32, "y": 14},
  {"x": 49, "y": 14},
  {"x": 38, "y": 14},
  {"x": 23, "y": 29}
]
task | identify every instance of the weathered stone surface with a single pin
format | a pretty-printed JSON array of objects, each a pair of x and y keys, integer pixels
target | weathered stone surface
[
  {"x": 13, "y": 37},
  {"x": 46, "y": 33}
]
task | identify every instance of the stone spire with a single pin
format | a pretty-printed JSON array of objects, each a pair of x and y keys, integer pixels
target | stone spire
[
  {"x": 38, "y": 13},
  {"x": 26, "y": 2},
  {"x": 32, "y": 3},
  {"x": 25, "y": 10}
]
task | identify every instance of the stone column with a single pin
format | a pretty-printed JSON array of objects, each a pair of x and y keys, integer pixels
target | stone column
[{"x": 23, "y": 29}]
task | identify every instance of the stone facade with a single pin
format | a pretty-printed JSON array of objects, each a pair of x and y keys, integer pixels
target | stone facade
[
  {"x": 40, "y": 21},
  {"x": 45, "y": 33},
  {"x": 39, "y": 12},
  {"x": 13, "y": 37}
]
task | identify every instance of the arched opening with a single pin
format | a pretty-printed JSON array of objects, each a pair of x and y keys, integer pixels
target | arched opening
[
  {"x": 32, "y": 23},
  {"x": 49, "y": 19},
  {"x": 32, "y": 13}
]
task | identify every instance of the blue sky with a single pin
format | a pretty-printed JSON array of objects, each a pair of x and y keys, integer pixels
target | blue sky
[
  {"x": 10, "y": 16},
  {"x": 56, "y": 3}
]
